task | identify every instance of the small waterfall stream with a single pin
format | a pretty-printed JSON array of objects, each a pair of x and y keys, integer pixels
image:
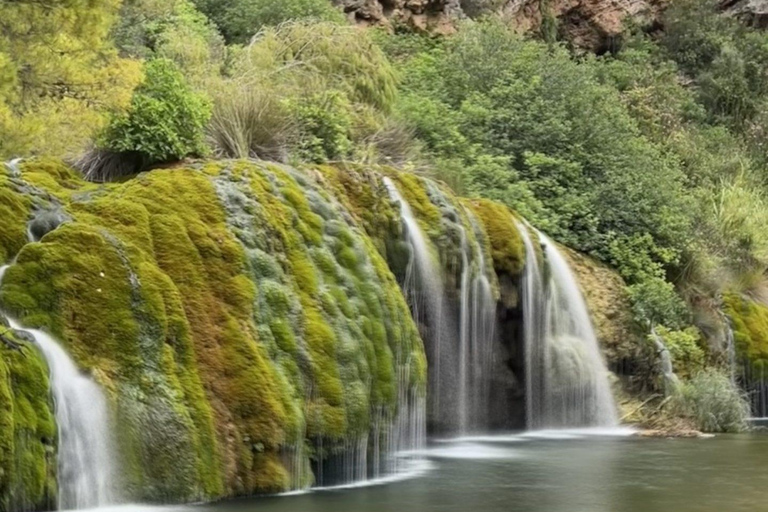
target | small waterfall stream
[
  {"x": 567, "y": 380},
  {"x": 423, "y": 288},
  {"x": 85, "y": 455},
  {"x": 671, "y": 381}
]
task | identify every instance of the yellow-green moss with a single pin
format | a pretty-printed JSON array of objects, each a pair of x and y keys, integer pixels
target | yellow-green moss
[
  {"x": 27, "y": 431},
  {"x": 507, "y": 248},
  {"x": 228, "y": 311},
  {"x": 749, "y": 320},
  {"x": 14, "y": 212}
]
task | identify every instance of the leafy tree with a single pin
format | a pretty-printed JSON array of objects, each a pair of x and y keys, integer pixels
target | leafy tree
[
  {"x": 239, "y": 20},
  {"x": 172, "y": 29}
]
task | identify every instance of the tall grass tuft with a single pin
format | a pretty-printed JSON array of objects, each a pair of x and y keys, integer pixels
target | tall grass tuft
[
  {"x": 713, "y": 402},
  {"x": 250, "y": 121}
]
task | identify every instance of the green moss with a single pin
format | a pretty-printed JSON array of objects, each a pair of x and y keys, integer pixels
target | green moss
[
  {"x": 14, "y": 212},
  {"x": 507, "y": 248},
  {"x": 229, "y": 312},
  {"x": 749, "y": 320},
  {"x": 27, "y": 431}
]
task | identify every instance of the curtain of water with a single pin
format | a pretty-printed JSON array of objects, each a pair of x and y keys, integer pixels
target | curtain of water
[
  {"x": 567, "y": 380},
  {"x": 86, "y": 470},
  {"x": 460, "y": 366}
]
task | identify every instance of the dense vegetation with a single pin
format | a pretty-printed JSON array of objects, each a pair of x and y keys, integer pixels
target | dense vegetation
[{"x": 651, "y": 159}]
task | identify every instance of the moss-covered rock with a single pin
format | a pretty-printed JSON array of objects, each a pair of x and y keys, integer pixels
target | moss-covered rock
[
  {"x": 749, "y": 320},
  {"x": 27, "y": 430},
  {"x": 232, "y": 311}
]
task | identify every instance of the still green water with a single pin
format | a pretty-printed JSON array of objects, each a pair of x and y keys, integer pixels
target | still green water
[{"x": 559, "y": 473}]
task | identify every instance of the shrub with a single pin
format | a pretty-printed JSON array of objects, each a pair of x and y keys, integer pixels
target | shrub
[
  {"x": 165, "y": 121},
  {"x": 325, "y": 122},
  {"x": 713, "y": 402},
  {"x": 238, "y": 20},
  {"x": 654, "y": 301}
]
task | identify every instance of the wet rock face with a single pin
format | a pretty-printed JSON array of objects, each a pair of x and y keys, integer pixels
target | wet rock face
[
  {"x": 45, "y": 222},
  {"x": 434, "y": 16}
]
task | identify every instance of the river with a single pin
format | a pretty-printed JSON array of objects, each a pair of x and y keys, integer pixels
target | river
[{"x": 553, "y": 472}]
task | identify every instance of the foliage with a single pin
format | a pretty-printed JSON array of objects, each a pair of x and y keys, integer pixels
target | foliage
[
  {"x": 306, "y": 91},
  {"x": 165, "y": 121},
  {"x": 239, "y": 20},
  {"x": 59, "y": 75},
  {"x": 726, "y": 59},
  {"x": 174, "y": 30},
  {"x": 713, "y": 402},
  {"x": 655, "y": 301},
  {"x": 684, "y": 347}
]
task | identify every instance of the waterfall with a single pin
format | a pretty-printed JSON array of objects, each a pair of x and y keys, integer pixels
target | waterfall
[
  {"x": 85, "y": 455},
  {"x": 423, "y": 288},
  {"x": 671, "y": 382},
  {"x": 460, "y": 366},
  {"x": 477, "y": 328},
  {"x": 566, "y": 377}
]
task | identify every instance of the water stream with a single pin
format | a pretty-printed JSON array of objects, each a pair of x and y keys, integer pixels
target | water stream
[
  {"x": 86, "y": 473},
  {"x": 566, "y": 378}
]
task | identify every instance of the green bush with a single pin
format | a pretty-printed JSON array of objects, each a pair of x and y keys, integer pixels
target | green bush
[
  {"x": 713, "y": 402},
  {"x": 166, "y": 119},
  {"x": 239, "y": 20},
  {"x": 654, "y": 301},
  {"x": 324, "y": 121}
]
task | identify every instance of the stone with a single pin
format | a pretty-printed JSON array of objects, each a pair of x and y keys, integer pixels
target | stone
[
  {"x": 753, "y": 12},
  {"x": 594, "y": 25},
  {"x": 432, "y": 16}
]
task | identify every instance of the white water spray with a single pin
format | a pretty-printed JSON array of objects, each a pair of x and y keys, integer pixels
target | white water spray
[
  {"x": 85, "y": 456},
  {"x": 566, "y": 378}
]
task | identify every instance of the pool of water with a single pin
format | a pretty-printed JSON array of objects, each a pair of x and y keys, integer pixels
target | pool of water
[{"x": 555, "y": 472}]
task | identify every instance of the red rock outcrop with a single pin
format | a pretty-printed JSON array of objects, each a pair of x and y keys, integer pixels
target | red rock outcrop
[{"x": 589, "y": 24}]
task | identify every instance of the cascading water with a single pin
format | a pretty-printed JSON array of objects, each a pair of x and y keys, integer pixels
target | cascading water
[
  {"x": 423, "y": 288},
  {"x": 671, "y": 382},
  {"x": 477, "y": 328},
  {"x": 85, "y": 456},
  {"x": 460, "y": 366},
  {"x": 567, "y": 380}
]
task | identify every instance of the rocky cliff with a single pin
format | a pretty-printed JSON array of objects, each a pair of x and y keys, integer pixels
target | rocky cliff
[{"x": 588, "y": 24}]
